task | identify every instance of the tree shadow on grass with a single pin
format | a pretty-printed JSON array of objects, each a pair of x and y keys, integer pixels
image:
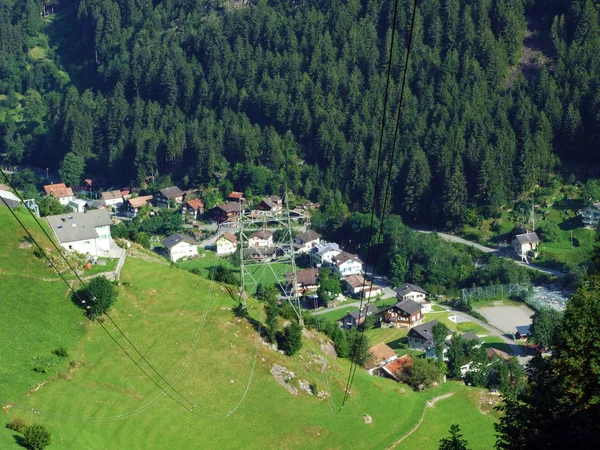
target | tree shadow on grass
[
  {"x": 399, "y": 344},
  {"x": 19, "y": 440},
  {"x": 570, "y": 224}
]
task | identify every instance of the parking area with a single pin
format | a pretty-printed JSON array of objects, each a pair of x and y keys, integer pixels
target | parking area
[{"x": 507, "y": 318}]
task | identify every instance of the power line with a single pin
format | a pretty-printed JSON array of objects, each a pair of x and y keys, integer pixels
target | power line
[{"x": 358, "y": 340}]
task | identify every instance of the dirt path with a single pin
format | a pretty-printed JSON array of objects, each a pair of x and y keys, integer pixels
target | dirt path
[{"x": 430, "y": 404}]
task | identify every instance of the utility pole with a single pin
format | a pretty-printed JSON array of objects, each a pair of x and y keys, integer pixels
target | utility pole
[
  {"x": 257, "y": 261},
  {"x": 532, "y": 215}
]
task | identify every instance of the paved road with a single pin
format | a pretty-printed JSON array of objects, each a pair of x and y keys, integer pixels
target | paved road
[{"x": 499, "y": 252}]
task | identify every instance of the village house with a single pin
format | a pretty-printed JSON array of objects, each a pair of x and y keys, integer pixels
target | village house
[
  {"x": 86, "y": 232},
  {"x": 323, "y": 252},
  {"x": 226, "y": 244},
  {"x": 112, "y": 198},
  {"x": 306, "y": 280},
  {"x": 261, "y": 253},
  {"x": 180, "y": 246},
  {"x": 133, "y": 205},
  {"x": 381, "y": 354},
  {"x": 524, "y": 243},
  {"x": 225, "y": 212},
  {"x": 164, "y": 197},
  {"x": 404, "y": 314},
  {"x": 357, "y": 318},
  {"x": 193, "y": 208},
  {"x": 355, "y": 284},
  {"x": 236, "y": 197},
  {"x": 78, "y": 205},
  {"x": 415, "y": 293},
  {"x": 347, "y": 264},
  {"x": 88, "y": 186},
  {"x": 271, "y": 204},
  {"x": 304, "y": 242},
  {"x": 421, "y": 338},
  {"x": 61, "y": 192},
  {"x": 591, "y": 216},
  {"x": 261, "y": 238}
]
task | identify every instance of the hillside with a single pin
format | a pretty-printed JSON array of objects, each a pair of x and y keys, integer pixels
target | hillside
[{"x": 103, "y": 401}]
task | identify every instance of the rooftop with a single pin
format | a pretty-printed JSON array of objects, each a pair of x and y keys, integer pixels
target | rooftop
[
  {"x": 236, "y": 195},
  {"x": 177, "y": 238},
  {"x": 229, "y": 207},
  {"x": 370, "y": 309},
  {"x": 58, "y": 190},
  {"x": 356, "y": 281},
  {"x": 171, "y": 192},
  {"x": 424, "y": 332},
  {"x": 261, "y": 234},
  {"x": 491, "y": 352},
  {"x": 323, "y": 247},
  {"x": 230, "y": 237},
  {"x": 195, "y": 203},
  {"x": 408, "y": 306},
  {"x": 140, "y": 201},
  {"x": 78, "y": 226},
  {"x": 308, "y": 236},
  {"x": 344, "y": 257},
  {"x": 111, "y": 195},
  {"x": 470, "y": 336},
  {"x": 407, "y": 288},
  {"x": 306, "y": 277},
  {"x": 382, "y": 352},
  {"x": 527, "y": 238}
]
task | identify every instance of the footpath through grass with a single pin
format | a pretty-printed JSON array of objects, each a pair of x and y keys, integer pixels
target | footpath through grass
[{"x": 111, "y": 404}]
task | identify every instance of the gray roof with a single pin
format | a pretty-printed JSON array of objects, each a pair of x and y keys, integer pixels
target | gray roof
[
  {"x": 470, "y": 336},
  {"x": 371, "y": 309},
  {"x": 78, "y": 226},
  {"x": 269, "y": 203},
  {"x": 424, "y": 332},
  {"x": 343, "y": 257},
  {"x": 308, "y": 236},
  {"x": 408, "y": 288},
  {"x": 11, "y": 199},
  {"x": 177, "y": 238},
  {"x": 229, "y": 207},
  {"x": 171, "y": 192},
  {"x": 261, "y": 234},
  {"x": 324, "y": 247},
  {"x": 408, "y": 306},
  {"x": 527, "y": 238}
]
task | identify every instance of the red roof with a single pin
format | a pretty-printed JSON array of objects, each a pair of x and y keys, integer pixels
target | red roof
[
  {"x": 230, "y": 237},
  {"x": 195, "y": 203},
  {"x": 491, "y": 352},
  {"x": 58, "y": 190},
  {"x": 236, "y": 195}
]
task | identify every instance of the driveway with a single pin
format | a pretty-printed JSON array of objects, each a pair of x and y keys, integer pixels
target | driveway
[{"x": 501, "y": 253}]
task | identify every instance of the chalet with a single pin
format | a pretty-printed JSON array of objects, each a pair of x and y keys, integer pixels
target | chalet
[
  {"x": 133, "y": 205},
  {"x": 9, "y": 199},
  {"x": 61, "y": 192},
  {"x": 404, "y": 314},
  {"x": 415, "y": 293},
  {"x": 165, "y": 196},
  {"x": 261, "y": 238},
  {"x": 591, "y": 216},
  {"x": 355, "y": 284},
  {"x": 85, "y": 232},
  {"x": 236, "y": 197},
  {"x": 323, "y": 252},
  {"x": 357, "y": 318},
  {"x": 226, "y": 244},
  {"x": 306, "y": 280},
  {"x": 180, "y": 246},
  {"x": 524, "y": 243},
  {"x": 420, "y": 337},
  {"x": 225, "y": 212},
  {"x": 304, "y": 242},
  {"x": 260, "y": 253},
  {"x": 381, "y": 354},
  {"x": 347, "y": 264},
  {"x": 112, "y": 198},
  {"x": 193, "y": 208},
  {"x": 271, "y": 204}
]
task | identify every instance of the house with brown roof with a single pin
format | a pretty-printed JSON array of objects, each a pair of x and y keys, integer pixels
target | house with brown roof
[
  {"x": 112, "y": 198},
  {"x": 357, "y": 285},
  {"x": 357, "y": 318},
  {"x": 61, "y": 192},
  {"x": 306, "y": 280},
  {"x": 404, "y": 314},
  {"x": 271, "y": 204},
  {"x": 347, "y": 264},
  {"x": 193, "y": 208},
  {"x": 381, "y": 354},
  {"x": 164, "y": 197},
  {"x": 225, "y": 212},
  {"x": 236, "y": 197},
  {"x": 495, "y": 353},
  {"x": 132, "y": 206},
  {"x": 261, "y": 238},
  {"x": 304, "y": 242},
  {"x": 226, "y": 244}
]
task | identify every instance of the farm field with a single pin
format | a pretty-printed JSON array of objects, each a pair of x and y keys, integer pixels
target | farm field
[{"x": 111, "y": 404}]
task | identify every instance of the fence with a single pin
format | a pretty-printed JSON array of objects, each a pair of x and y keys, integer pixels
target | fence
[{"x": 498, "y": 291}]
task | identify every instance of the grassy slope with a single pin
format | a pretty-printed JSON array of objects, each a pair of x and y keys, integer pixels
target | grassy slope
[{"x": 161, "y": 310}]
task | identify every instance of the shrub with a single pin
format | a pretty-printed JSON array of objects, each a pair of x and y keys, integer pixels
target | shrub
[
  {"x": 61, "y": 352},
  {"x": 292, "y": 339},
  {"x": 17, "y": 424},
  {"x": 42, "y": 364},
  {"x": 36, "y": 437}
]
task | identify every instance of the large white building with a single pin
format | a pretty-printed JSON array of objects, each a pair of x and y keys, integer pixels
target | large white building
[
  {"x": 261, "y": 238},
  {"x": 180, "y": 246},
  {"x": 347, "y": 264},
  {"x": 84, "y": 232},
  {"x": 226, "y": 244},
  {"x": 324, "y": 252}
]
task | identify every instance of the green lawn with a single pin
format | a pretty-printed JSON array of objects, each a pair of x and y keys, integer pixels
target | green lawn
[
  {"x": 465, "y": 327},
  {"x": 497, "y": 343},
  {"x": 164, "y": 310},
  {"x": 336, "y": 315}
]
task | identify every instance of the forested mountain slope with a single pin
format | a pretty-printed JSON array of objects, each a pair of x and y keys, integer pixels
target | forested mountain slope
[{"x": 292, "y": 92}]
